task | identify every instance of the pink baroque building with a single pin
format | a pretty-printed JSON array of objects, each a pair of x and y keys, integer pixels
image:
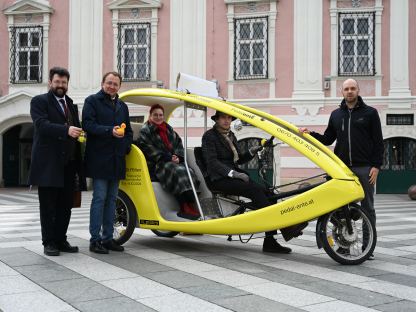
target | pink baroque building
[{"x": 286, "y": 57}]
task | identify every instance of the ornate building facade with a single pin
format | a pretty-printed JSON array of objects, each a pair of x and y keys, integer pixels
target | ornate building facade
[{"x": 286, "y": 57}]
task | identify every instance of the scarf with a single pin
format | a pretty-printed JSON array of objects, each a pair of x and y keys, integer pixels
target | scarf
[
  {"x": 162, "y": 130},
  {"x": 227, "y": 136}
]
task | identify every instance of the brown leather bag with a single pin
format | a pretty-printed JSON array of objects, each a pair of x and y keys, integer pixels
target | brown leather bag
[{"x": 76, "y": 199}]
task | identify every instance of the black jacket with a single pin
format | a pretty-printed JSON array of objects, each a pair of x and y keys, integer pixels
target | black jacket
[
  {"x": 105, "y": 154},
  {"x": 218, "y": 156},
  {"x": 50, "y": 142},
  {"x": 358, "y": 135}
]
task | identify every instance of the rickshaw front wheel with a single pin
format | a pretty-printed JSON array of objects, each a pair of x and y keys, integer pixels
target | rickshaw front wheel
[
  {"x": 165, "y": 233},
  {"x": 125, "y": 219},
  {"x": 346, "y": 246}
]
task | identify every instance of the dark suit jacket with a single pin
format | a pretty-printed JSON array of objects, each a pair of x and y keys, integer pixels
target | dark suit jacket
[
  {"x": 105, "y": 155},
  {"x": 218, "y": 156},
  {"x": 50, "y": 137}
]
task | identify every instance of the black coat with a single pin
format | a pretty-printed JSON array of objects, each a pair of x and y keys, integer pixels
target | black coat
[
  {"x": 358, "y": 134},
  {"x": 105, "y": 154},
  {"x": 218, "y": 156},
  {"x": 49, "y": 141}
]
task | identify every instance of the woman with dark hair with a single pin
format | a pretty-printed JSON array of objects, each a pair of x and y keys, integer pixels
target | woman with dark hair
[{"x": 164, "y": 153}]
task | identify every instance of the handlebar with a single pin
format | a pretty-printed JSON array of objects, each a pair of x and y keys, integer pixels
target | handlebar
[
  {"x": 263, "y": 161},
  {"x": 267, "y": 143}
]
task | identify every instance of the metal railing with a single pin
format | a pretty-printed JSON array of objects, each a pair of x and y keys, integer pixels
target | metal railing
[
  {"x": 133, "y": 61},
  {"x": 250, "y": 48},
  {"x": 356, "y": 44}
]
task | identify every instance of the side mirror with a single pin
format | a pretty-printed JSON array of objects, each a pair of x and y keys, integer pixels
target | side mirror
[{"x": 238, "y": 125}]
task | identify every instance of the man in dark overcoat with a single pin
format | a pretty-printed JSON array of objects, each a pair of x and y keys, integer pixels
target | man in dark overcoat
[
  {"x": 107, "y": 145},
  {"x": 56, "y": 160},
  {"x": 222, "y": 156}
]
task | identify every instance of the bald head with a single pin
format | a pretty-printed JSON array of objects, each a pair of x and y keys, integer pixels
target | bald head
[
  {"x": 350, "y": 91},
  {"x": 349, "y": 82}
]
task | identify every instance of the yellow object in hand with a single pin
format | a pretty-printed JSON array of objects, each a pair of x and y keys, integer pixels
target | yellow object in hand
[
  {"x": 82, "y": 137},
  {"x": 121, "y": 129}
]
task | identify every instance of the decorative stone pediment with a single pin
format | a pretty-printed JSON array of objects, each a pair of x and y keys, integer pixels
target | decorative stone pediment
[
  {"x": 23, "y": 7},
  {"x": 14, "y": 106},
  {"x": 134, "y": 4}
]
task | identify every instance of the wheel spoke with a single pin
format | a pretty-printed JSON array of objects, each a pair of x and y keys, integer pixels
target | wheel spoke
[{"x": 344, "y": 246}]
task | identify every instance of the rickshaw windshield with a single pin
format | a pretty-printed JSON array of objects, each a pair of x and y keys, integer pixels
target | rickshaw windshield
[{"x": 276, "y": 127}]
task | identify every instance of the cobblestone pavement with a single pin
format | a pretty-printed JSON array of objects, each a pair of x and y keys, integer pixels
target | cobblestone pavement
[{"x": 201, "y": 273}]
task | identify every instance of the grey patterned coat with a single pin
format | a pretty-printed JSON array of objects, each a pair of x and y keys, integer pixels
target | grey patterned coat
[{"x": 173, "y": 177}]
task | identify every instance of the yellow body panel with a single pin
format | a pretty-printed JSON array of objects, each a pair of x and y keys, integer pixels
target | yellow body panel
[{"x": 342, "y": 189}]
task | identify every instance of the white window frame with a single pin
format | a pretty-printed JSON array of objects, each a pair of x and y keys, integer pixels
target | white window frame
[
  {"x": 136, "y": 46},
  {"x": 334, "y": 11},
  {"x": 29, "y": 13},
  {"x": 251, "y": 41},
  {"x": 369, "y": 37},
  {"x": 119, "y": 8},
  {"x": 30, "y": 49}
]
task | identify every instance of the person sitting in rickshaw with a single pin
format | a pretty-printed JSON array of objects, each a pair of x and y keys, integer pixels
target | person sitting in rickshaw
[
  {"x": 164, "y": 153},
  {"x": 222, "y": 156}
]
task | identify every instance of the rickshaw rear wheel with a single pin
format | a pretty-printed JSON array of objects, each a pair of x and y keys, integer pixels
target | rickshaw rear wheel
[
  {"x": 125, "y": 218},
  {"x": 341, "y": 245},
  {"x": 165, "y": 233}
]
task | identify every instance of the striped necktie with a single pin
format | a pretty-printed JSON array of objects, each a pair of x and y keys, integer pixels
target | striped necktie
[{"x": 62, "y": 101}]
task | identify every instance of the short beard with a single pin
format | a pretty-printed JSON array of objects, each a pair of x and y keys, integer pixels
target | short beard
[
  {"x": 59, "y": 92},
  {"x": 353, "y": 102}
]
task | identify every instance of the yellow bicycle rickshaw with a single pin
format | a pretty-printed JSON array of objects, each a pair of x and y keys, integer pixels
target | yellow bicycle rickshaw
[{"x": 341, "y": 223}]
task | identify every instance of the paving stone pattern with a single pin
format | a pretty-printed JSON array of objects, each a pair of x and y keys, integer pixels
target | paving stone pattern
[{"x": 201, "y": 272}]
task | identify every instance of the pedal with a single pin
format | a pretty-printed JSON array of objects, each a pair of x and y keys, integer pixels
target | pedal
[{"x": 293, "y": 231}]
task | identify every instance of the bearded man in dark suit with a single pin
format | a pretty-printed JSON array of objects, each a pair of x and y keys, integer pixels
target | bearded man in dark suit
[{"x": 56, "y": 160}]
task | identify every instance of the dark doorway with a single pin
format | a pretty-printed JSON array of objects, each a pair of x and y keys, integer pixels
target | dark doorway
[
  {"x": 398, "y": 172},
  {"x": 17, "y": 148}
]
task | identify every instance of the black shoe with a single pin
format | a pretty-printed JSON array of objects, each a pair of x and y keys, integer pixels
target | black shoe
[
  {"x": 98, "y": 248},
  {"x": 51, "y": 250},
  {"x": 66, "y": 247},
  {"x": 112, "y": 245},
  {"x": 271, "y": 245},
  {"x": 293, "y": 231},
  {"x": 343, "y": 251}
]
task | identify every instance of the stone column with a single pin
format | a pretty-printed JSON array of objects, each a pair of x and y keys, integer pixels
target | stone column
[
  {"x": 188, "y": 38},
  {"x": 308, "y": 49},
  {"x": 85, "y": 47},
  {"x": 399, "y": 49}
]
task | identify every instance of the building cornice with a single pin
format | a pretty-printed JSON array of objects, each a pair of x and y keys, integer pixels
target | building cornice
[
  {"x": 134, "y": 4},
  {"x": 24, "y": 7}
]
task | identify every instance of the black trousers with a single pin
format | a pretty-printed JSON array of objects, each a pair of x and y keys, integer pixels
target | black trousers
[
  {"x": 368, "y": 202},
  {"x": 55, "y": 205},
  {"x": 251, "y": 190}
]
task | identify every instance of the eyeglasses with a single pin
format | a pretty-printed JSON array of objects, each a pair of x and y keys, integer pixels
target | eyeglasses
[
  {"x": 110, "y": 83},
  {"x": 157, "y": 115}
]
